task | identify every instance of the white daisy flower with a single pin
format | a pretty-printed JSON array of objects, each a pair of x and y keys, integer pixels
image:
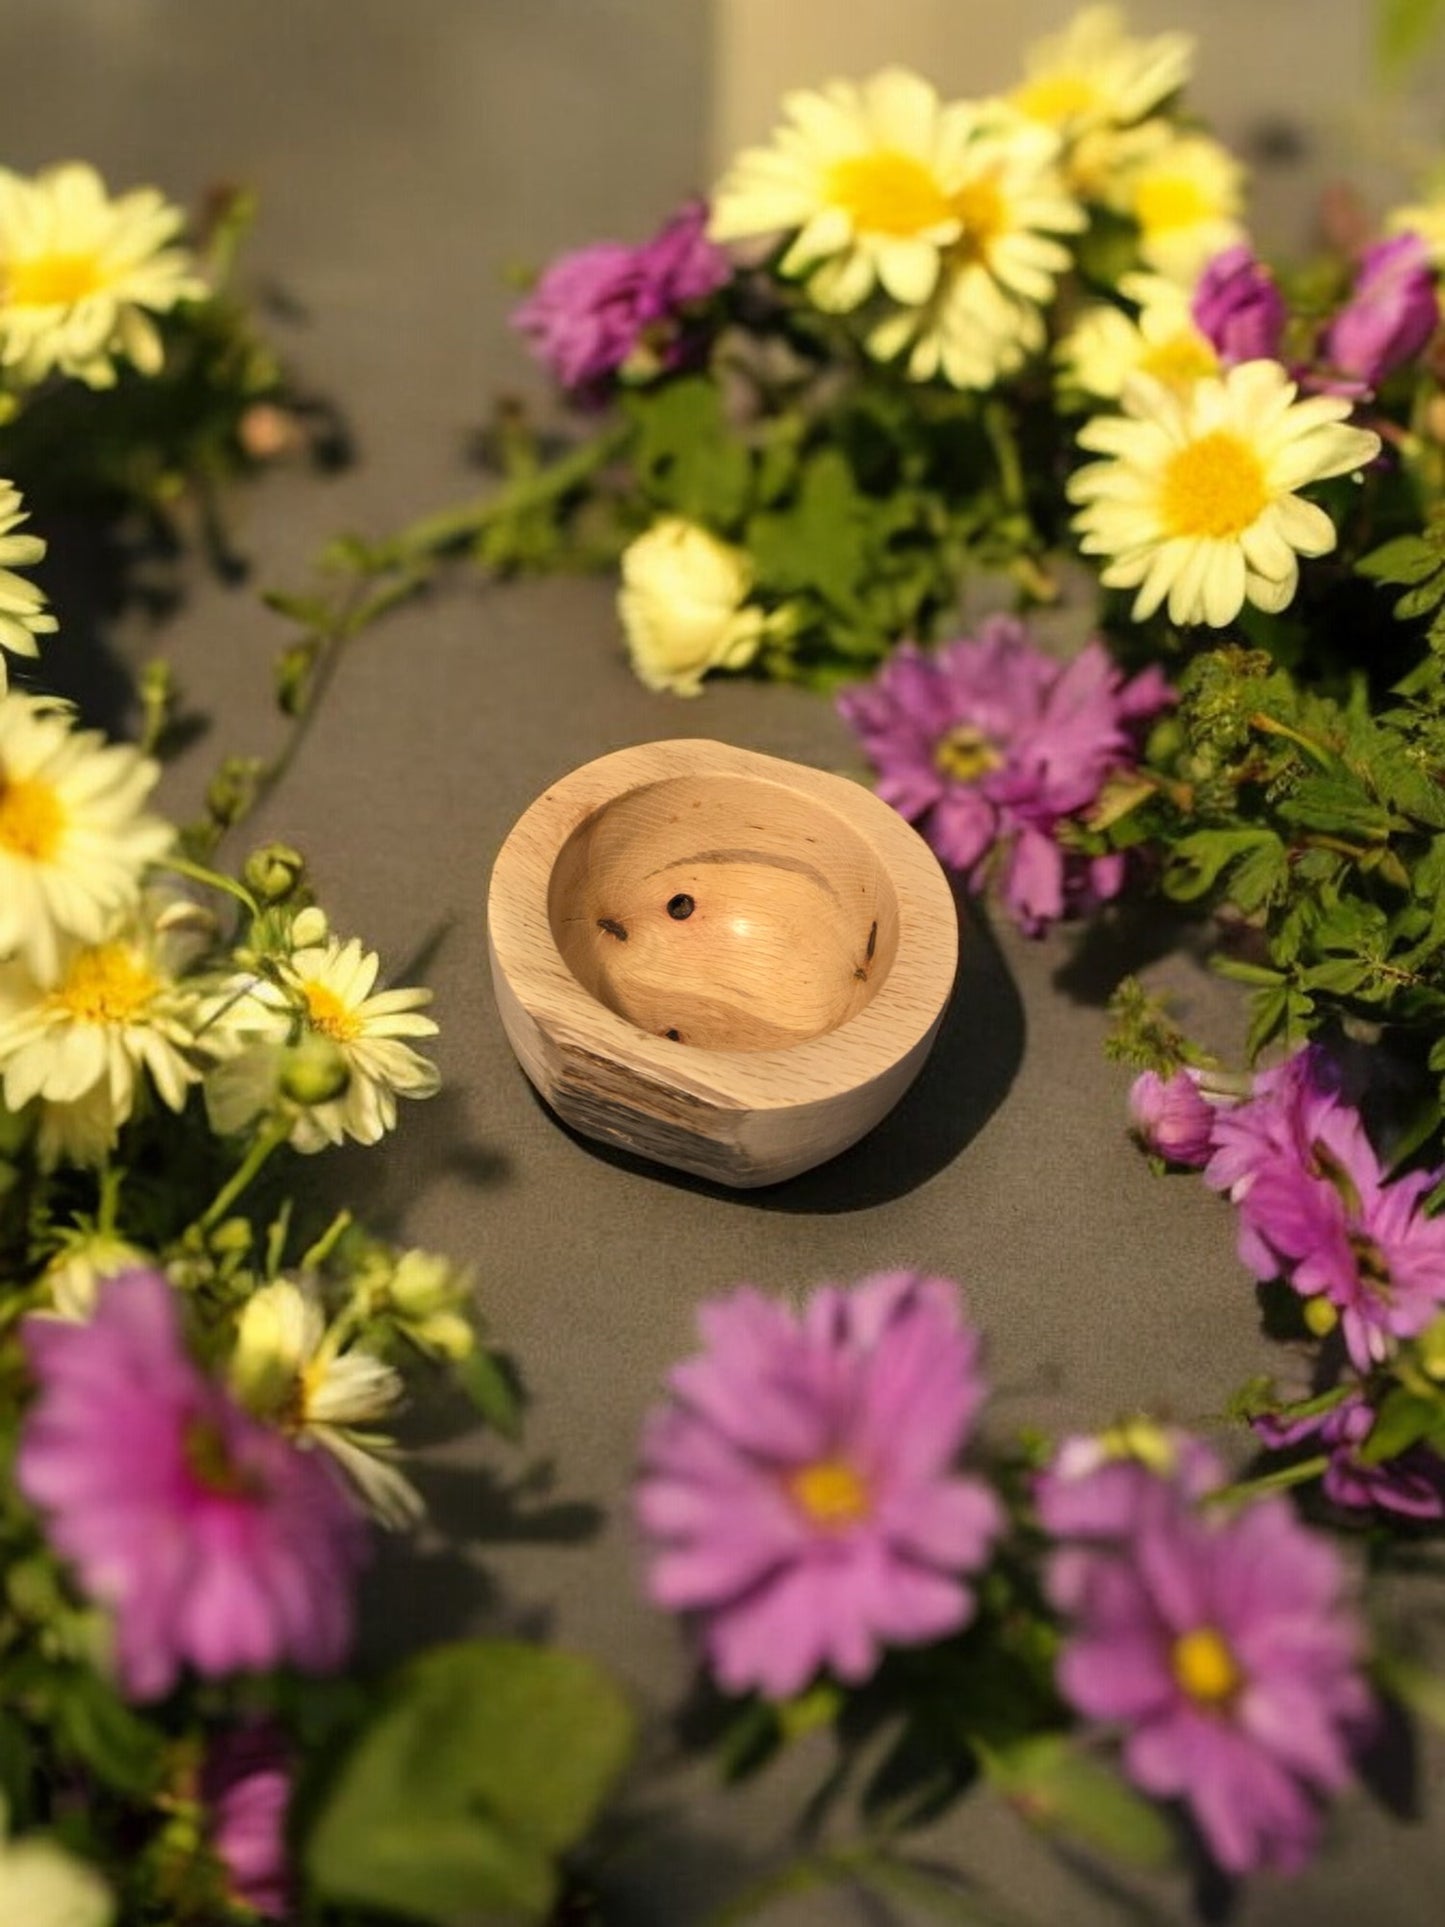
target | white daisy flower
[
  {"x": 45, "y": 1886},
  {"x": 1425, "y": 218},
  {"x": 74, "y": 843},
  {"x": 862, "y": 175},
  {"x": 1106, "y": 348},
  {"x": 324, "y": 992},
  {"x": 985, "y": 315},
  {"x": 289, "y": 1367},
  {"x": 1094, "y": 74},
  {"x": 23, "y": 614},
  {"x": 81, "y": 275},
  {"x": 1197, "y": 503},
  {"x": 1184, "y": 191},
  {"x": 86, "y": 1258},
  {"x": 82, "y": 1133},
  {"x": 113, "y": 1014}
]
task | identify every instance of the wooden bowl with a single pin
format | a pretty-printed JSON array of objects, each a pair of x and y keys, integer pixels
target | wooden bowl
[{"x": 728, "y": 963}]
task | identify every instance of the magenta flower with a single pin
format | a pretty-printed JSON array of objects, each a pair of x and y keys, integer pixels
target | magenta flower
[
  {"x": 1238, "y": 309},
  {"x": 246, "y": 1789},
  {"x": 214, "y": 1540},
  {"x": 1171, "y": 1118},
  {"x": 799, "y": 1491},
  {"x": 1224, "y": 1647},
  {"x": 594, "y": 310},
  {"x": 991, "y": 746},
  {"x": 1390, "y": 315},
  {"x": 1412, "y": 1483}
]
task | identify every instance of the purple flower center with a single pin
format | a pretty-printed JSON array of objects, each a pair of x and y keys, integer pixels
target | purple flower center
[
  {"x": 210, "y": 1464},
  {"x": 830, "y": 1493},
  {"x": 1205, "y": 1667},
  {"x": 965, "y": 754}
]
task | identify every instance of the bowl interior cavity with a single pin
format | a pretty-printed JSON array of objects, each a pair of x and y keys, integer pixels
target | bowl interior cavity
[{"x": 724, "y": 911}]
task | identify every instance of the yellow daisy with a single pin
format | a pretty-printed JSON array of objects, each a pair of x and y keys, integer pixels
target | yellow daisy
[
  {"x": 325, "y": 991},
  {"x": 74, "y": 842},
  {"x": 81, "y": 275},
  {"x": 861, "y": 175},
  {"x": 23, "y": 615},
  {"x": 1106, "y": 348},
  {"x": 290, "y": 1367},
  {"x": 1185, "y": 192},
  {"x": 1012, "y": 206},
  {"x": 1197, "y": 500},
  {"x": 113, "y": 1014},
  {"x": 1094, "y": 75}
]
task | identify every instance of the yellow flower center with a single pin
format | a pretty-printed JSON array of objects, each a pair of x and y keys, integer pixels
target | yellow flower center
[
  {"x": 887, "y": 193},
  {"x": 1170, "y": 201},
  {"x": 31, "y": 819},
  {"x": 329, "y": 1014},
  {"x": 980, "y": 207},
  {"x": 1213, "y": 487},
  {"x": 965, "y": 754},
  {"x": 105, "y": 985},
  {"x": 1179, "y": 360},
  {"x": 831, "y": 1493},
  {"x": 1205, "y": 1667},
  {"x": 1142, "y": 1440},
  {"x": 1056, "y": 98},
  {"x": 52, "y": 280}
]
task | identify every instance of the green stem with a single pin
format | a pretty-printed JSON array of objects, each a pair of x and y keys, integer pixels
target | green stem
[
  {"x": 274, "y": 1135},
  {"x": 213, "y": 879},
  {"x": 316, "y": 1255},
  {"x": 1284, "y": 1476}
]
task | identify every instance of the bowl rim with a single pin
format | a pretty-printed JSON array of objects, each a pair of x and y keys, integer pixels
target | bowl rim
[{"x": 897, "y": 1018}]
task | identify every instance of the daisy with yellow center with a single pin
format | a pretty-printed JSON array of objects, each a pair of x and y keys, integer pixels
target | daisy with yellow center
[
  {"x": 325, "y": 994},
  {"x": 1204, "y": 1665},
  {"x": 986, "y": 313},
  {"x": 861, "y": 175},
  {"x": 1197, "y": 500},
  {"x": 23, "y": 615},
  {"x": 74, "y": 842},
  {"x": 112, "y": 1015},
  {"x": 81, "y": 275},
  {"x": 1184, "y": 191},
  {"x": 1094, "y": 74},
  {"x": 1106, "y": 348},
  {"x": 290, "y": 1367}
]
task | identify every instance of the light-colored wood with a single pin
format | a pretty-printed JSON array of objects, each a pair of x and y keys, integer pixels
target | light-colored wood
[{"x": 719, "y": 960}]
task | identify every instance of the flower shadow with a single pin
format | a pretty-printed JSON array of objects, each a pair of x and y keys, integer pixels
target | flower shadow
[{"x": 969, "y": 1071}]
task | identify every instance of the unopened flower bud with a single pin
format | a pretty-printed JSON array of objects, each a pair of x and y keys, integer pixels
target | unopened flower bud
[
  {"x": 314, "y": 1071},
  {"x": 274, "y": 872},
  {"x": 1171, "y": 1119},
  {"x": 1320, "y": 1316},
  {"x": 308, "y": 927}
]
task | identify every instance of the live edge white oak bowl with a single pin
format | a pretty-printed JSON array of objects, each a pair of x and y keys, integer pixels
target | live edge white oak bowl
[{"x": 721, "y": 961}]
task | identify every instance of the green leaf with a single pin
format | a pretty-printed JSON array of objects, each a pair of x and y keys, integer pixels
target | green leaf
[
  {"x": 688, "y": 459},
  {"x": 1197, "y": 861},
  {"x": 116, "y": 1743},
  {"x": 1406, "y": 559},
  {"x": 1061, "y": 1788},
  {"x": 493, "y": 1389},
  {"x": 1403, "y": 1420},
  {"x": 488, "y": 1761},
  {"x": 820, "y": 542}
]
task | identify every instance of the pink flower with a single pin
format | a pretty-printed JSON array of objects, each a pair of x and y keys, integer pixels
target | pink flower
[
  {"x": 596, "y": 308},
  {"x": 1412, "y": 1483},
  {"x": 1390, "y": 315},
  {"x": 1224, "y": 1647},
  {"x": 246, "y": 1789},
  {"x": 1238, "y": 309},
  {"x": 1171, "y": 1118},
  {"x": 214, "y": 1540},
  {"x": 991, "y": 746},
  {"x": 799, "y": 1490}
]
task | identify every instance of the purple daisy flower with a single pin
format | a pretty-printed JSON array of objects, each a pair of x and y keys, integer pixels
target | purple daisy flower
[
  {"x": 1412, "y": 1483},
  {"x": 1172, "y": 1118},
  {"x": 1238, "y": 309},
  {"x": 1390, "y": 315},
  {"x": 214, "y": 1540},
  {"x": 595, "y": 309},
  {"x": 1226, "y": 1649},
  {"x": 989, "y": 745},
  {"x": 246, "y": 1790},
  {"x": 799, "y": 1491}
]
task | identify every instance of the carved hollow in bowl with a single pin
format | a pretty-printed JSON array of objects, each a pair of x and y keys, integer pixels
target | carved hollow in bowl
[{"x": 726, "y": 962}]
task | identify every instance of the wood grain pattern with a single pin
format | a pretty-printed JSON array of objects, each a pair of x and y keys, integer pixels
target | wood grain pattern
[{"x": 726, "y": 962}]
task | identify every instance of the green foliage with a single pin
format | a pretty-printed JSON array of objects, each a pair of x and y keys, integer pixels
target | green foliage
[
  {"x": 1062, "y": 1789},
  {"x": 485, "y": 1763}
]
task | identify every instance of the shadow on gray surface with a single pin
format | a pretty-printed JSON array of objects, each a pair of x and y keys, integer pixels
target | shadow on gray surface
[
  {"x": 1124, "y": 941},
  {"x": 968, "y": 1074}
]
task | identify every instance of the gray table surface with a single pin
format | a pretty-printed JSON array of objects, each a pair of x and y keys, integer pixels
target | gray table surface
[{"x": 404, "y": 157}]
